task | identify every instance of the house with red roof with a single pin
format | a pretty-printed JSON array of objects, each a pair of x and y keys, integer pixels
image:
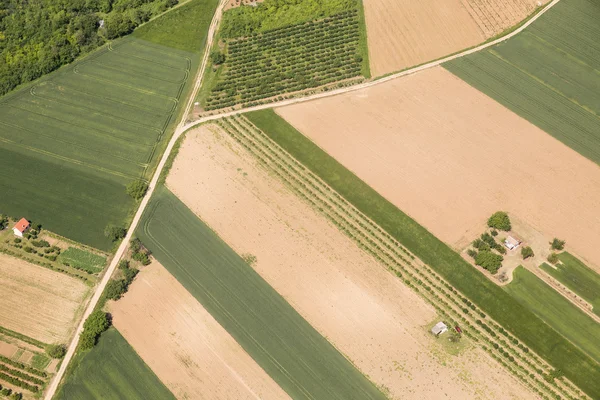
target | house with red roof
[{"x": 21, "y": 227}]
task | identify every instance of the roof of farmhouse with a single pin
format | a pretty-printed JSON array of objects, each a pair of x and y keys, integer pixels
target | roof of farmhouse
[{"x": 22, "y": 225}]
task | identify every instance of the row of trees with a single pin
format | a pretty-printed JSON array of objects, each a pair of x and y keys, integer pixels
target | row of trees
[{"x": 8, "y": 392}]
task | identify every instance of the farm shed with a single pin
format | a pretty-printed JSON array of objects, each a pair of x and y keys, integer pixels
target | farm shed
[
  {"x": 511, "y": 243},
  {"x": 21, "y": 227},
  {"x": 439, "y": 328}
]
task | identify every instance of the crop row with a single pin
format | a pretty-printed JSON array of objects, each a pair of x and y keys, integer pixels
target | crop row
[
  {"x": 24, "y": 367},
  {"x": 289, "y": 59},
  {"x": 424, "y": 278},
  {"x": 19, "y": 383},
  {"x": 22, "y": 375}
]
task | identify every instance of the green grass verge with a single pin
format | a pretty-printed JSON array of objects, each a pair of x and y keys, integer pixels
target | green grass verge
[
  {"x": 363, "y": 44},
  {"x": 490, "y": 297},
  {"x": 556, "y": 311},
  {"x": 287, "y": 347},
  {"x": 578, "y": 277},
  {"x": 82, "y": 259},
  {"x": 548, "y": 74},
  {"x": 111, "y": 370},
  {"x": 184, "y": 28}
]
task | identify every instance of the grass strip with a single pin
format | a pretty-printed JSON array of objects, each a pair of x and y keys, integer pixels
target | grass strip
[
  {"x": 285, "y": 345},
  {"x": 494, "y": 301}
]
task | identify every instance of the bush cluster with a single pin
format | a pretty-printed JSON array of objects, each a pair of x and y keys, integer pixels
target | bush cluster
[
  {"x": 7, "y": 392},
  {"x": 114, "y": 233},
  {"x": 557, "y": 244},
  {"x": 139, "y": 252},
  {"x": 118, "y": 287},
  {"x": 137, "y": 189},
  {"x": 56, "y": 350},
  {"x": 553, "y": 258},
  {"x": 527, "y": 252},
  {"x": 97, "y": 322}
]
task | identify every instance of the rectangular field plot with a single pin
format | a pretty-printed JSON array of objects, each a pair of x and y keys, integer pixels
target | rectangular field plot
[
  {"x": 287, "y": 347},
  {"x": 81, "y": 134},
  {"x": 549, "y": 74},
  {"x": 578, "y": 277},
  {"x": 556, "y": 311},
  {"x": 112, "y": 370}
]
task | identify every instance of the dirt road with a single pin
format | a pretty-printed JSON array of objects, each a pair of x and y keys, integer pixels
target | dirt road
[{"x": 183, "y": 127}]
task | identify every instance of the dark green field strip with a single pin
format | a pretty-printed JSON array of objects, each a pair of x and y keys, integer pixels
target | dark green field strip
[
  {"x": 184, "y": 28},
  {"x": 549, "y": 74},
  {"x": 128, "y": 80},
  {"x": 556, "y": 311},
  {"x": 578, "y": 367},
  {"x": 66, "y": 200},
  {"x": 121, "y": 110},
  {"x": 293, "y": 353},
  {"x": 578, "y": 277},
  {"x": 115, "y": 93},
  {"x": 112, "y": 370}
]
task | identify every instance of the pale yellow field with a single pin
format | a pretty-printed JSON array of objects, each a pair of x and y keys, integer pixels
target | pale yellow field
[
  {"x": 183, "y": 344},
  {"x": 352, "y": 300},
  {"x": 38, "y": 302},
  {"x": 405, "y": 33},
  {"x": 449, "y": 156}
]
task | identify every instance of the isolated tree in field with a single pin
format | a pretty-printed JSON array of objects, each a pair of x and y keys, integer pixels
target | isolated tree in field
[
  {"x": 557, "y": 244},
  {"x": 56, "y": 350},
  {"x": 527, "y": 252},
  {"x": 114, "y": 233},
  {"x": 96, "y": 323},
  {"x": 500, "y": 220},
  {"x": 488, "y": 260},
  {"x": 553, "y": 258},
  {"x": 137, "y": 189}
]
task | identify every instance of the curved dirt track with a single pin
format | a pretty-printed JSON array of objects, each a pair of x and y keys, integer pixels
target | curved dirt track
[{"x": 183, "y": 127}]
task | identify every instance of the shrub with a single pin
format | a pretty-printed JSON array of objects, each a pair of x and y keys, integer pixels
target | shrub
[
  {"x": 114, "y": 233},
  {"x": 40, "y": 243},
  {"x": 28, "y": 249},
  {"x": 499, "y": 220},
  {"x": 115, "y": 289},
  {"x": 137, "y": 189},
  {"x": 553, "y": 258},
  {"x": 96, "y": 323},
  {"x": 123, "y": 264},
  {"x": 56, "y": 350},
  {"x": 217, "y": 57},
  {"x": 472, "y": 253},
  {"x": 527, "y": 252},
  {"x": 557, "y": 244},
  {"x": 18, "y": 240},
  {"x": 488, "y": 260},
  {"x": 494, "y": 232}
]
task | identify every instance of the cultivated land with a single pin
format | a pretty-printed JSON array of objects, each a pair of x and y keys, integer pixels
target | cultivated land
[
  {"x": 112, "y": 370},
  {"x": 440, "y": 259},
  {"x": 184, "y": 345},
  {"x": 38, "y": 302},
  {"x": 556, "y": 311},
  {"x": 404, "y": 33},
  {"x": 366, "y": 312},
  {"x": 449, "y": 156},
  {"x": 292, "y": 352},
  {"x": 548, "y": 74},
  {"x": 575, "y": 275}
]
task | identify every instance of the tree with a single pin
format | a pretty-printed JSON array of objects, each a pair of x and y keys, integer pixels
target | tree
[
  {"x": 56, "y": 350},
  {"x": 114, "y": 233},
  {"x": 3, "y": 222},
  {"x": 137, "y": 189},
  {"x": 115, "y": 289},
  {"x": 217, "y": 57},
  {"x": 557, "y": 244},
  {"x": 553, "y": 258},
  {"x": 500, "y": 220},
  {"x": 97, "y": 322},
  {"x": 527, "y": 252},
  {"x": 488, "y": 260}
]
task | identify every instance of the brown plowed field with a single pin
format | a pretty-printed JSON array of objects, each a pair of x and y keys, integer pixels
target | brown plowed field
[
  {"x": 182, "y": 343},
  {"x": 365, "y": 311},
  {"x": 39, "y": 302},
  {"x": 405, "y": 33},
  {"x": 449, "y": 156}
]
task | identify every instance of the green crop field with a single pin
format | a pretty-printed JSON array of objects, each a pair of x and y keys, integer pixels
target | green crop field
[
  {"x": 82, "y": 259},
  {"x": 276, "y": 48},
  {"x": 72, "y": 141},
  {"x": 293, "y": 353},
  {"x": 111, "y": 370},
  {"x": 576, "y": 365},
  {"x": 548, "y": 74},
  {"x": 578, "y": 277},
  {"x": 556, "y": 311}
]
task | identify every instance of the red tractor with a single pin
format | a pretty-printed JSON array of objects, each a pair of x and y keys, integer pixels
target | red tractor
[{"x": 458, "y": 329}]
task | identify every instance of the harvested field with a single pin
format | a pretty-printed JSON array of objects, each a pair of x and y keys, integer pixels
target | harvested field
[
  {"x": 182, "y": 343},
  {"x": 404, "y": 33},
  {"x": 365, "y": 311},
  {"x": 38, "y": 302},
  {"x": 449, "y": 157}
]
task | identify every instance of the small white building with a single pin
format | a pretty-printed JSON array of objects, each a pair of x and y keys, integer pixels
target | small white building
[
  {"x": 511, "y": 243},
  {"x": 21, "y": 227},
  {"x": 439, "y": 328}
]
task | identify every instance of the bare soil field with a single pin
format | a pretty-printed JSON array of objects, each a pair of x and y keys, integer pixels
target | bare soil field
[
  {"x": 362, "y": 309},
  {"x": 449, "y": 156},
  {"x": 405, "y": 33},
  {"x": 182, "y": 343},
  {"x": 39, "y": 302}
]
